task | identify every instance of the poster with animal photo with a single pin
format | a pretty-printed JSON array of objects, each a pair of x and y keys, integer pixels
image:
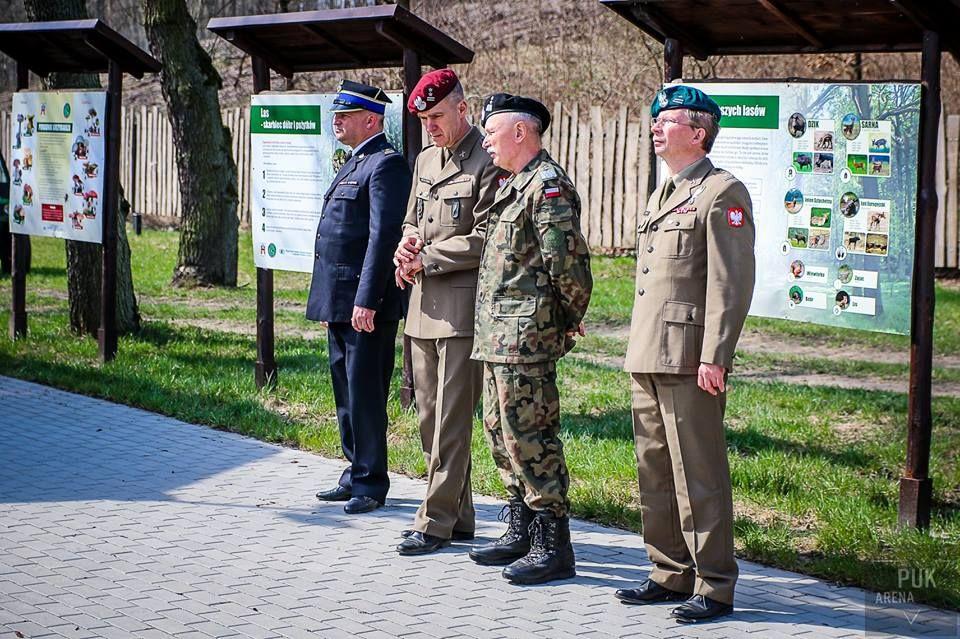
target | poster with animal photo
[
  {"x": 832, "y": 174},
  {"x": 57, "y": 159}
]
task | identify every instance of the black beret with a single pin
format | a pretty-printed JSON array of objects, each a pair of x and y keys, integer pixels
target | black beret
[{"x": 506, "y": 103}]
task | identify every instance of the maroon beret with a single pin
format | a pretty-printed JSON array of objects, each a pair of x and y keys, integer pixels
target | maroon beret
[{"x": 431, "y": 88}]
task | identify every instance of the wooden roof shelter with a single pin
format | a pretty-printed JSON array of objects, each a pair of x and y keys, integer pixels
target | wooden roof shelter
[
  {"x": 702, "y": 28},
  {"x": 337, "y": 40},
  {"x": 79, "y": 46},
  {"x": 340, "y": 39},
  {"x": 751, "y": 27},
  {"x": 76, "y": 46}
]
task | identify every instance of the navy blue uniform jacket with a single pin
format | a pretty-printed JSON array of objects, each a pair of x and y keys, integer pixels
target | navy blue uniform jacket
[{"x": 359, "y": 229}]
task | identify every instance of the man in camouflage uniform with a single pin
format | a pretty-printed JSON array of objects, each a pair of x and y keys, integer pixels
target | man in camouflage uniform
[
  {"x": 533, "y": 291},
  {"x": 453, "y": 183}
]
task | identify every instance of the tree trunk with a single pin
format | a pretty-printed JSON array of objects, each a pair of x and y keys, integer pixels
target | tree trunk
[
  {"x": 207, "y": 172},
  {"x": 84, "y": 260}
]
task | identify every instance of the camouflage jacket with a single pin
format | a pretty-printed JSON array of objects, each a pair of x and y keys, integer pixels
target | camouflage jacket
[{"x": 535, "y": 280}]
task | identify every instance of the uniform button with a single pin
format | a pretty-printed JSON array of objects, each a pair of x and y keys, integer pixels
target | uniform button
[
  {"x": 689, "y": 317},
  {"x": 646, "y": 270},
  {"x": 316, "y": 255},
  {"x": 436, "y": 196},
  {"x": 646, "y": 212},
  {"x": 430, "y": 219},
  {"x": 428, "y": 242},
  {"x": 654, "y": 228},
  {"x": 318, "y": 236},
  {"x": 641, "y": 292},
  {"x": 650, "y": 249},
  {"x": 676, "y": 222}
]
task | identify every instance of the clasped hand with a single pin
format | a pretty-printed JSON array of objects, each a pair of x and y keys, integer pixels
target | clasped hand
[{"x": 407, "y": 260}]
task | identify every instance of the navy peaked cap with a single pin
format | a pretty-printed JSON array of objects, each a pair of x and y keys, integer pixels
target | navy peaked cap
[{"x": 354, "y": 96}]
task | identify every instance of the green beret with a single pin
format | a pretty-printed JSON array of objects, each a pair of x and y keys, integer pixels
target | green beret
[{"x": 679, "y": 96}]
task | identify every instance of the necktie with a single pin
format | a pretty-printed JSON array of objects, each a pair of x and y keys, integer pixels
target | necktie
[
  {"x": 444, "y": 157},
  {"x": 667, "y": 191}
]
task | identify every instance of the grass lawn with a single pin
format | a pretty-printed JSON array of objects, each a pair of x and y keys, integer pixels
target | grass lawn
[{"x": 815, "y": 470}]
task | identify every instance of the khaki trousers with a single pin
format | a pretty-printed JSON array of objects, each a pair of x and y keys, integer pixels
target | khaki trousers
[
  {"x": 685, "y": 495},
  {"x": 447, "y": 385}
]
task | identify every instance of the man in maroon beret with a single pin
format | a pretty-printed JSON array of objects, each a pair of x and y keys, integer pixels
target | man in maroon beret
[{"x": 454, "y": 181}]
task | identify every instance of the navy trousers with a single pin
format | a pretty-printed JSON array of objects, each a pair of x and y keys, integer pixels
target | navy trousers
[{"x": 361, "y": 365}]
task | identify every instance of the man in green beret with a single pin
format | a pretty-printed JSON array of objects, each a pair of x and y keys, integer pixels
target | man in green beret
[
  {"x": 533, "y": 290},
  {"x": 695, "y": 276}
]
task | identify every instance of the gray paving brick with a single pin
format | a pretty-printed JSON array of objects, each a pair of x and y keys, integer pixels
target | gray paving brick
[{"x": 150, "y": 527}]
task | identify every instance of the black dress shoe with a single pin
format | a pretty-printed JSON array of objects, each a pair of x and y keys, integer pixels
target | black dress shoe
[
  {"x": 456, "y": 535},
  {"x": 420, "y": 543},
  {"x": 649, "y": 592},
  {"x": 334, "y": 494},
  {"x": 700, "y": 608},
  {"x": 361, "y": 504}
]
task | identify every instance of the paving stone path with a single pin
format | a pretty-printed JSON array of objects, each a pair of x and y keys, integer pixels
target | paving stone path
[{"x": 116, "y": 522}]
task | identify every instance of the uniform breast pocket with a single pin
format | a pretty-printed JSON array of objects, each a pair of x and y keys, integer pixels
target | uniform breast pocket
[
  {"x": 682, "y": 335},
  {"x": 456, "y": 199},
  {"x": 345, "y": 197},
  {"x": 679, "y": 235},
  {"x": 509, "y": 233}
]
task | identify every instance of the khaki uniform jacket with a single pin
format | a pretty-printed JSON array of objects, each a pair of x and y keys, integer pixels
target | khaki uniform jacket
[
  {"x": 446, "y": 210},
  {"x": 695, "y": 274},
  {"x": 535, "y": 279}
]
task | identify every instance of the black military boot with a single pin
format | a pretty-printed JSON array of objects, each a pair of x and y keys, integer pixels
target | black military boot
[
  {"x": 515, "y": 542},
  {"x": 551, "y": 553}
]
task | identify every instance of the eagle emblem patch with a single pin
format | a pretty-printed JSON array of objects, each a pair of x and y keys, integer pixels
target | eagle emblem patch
[{"x": 735, "y": 217}]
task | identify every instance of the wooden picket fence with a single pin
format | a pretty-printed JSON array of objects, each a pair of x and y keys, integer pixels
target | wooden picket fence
[{"x": 607, "y": 156}]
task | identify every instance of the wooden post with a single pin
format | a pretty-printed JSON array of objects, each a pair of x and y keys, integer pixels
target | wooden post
[
  {"x": 672, "y": 70},
  {"x": 916, "y": 487},
  {"x": 107, "y": 334},
  {"x": 412, "y": 145},
  {"x": 19, "y": 251},
  {"x": 265, "y": 372},
  {"x": 672, "y": 60}
]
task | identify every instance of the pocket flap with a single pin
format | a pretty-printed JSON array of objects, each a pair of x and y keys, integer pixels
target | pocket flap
[
  {"x": 682, "y": 313},
  {"x": 514, "y": 306},
  {"x": 346, "y": 191},
  {"x": 682, "y": 222},
  {"x": 456, "y": 190},
  {"x": 347, "y": 272},
  {"x": 511, "y": 213}
]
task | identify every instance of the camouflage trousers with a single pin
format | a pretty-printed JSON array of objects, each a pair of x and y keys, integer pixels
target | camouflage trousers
[{"x": 521, "y": 419}]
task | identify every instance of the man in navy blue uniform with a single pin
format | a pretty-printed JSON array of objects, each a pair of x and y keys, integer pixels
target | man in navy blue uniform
[{"x": 353, "y": 289}]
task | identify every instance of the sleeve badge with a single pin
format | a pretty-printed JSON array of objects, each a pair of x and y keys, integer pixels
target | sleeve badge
[{"x": 735, "y": 216}]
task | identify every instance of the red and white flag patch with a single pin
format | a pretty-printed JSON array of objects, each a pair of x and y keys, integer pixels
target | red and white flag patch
[
  {"x": 552, "y": 191},
  {"x": 735, "y": 216}
]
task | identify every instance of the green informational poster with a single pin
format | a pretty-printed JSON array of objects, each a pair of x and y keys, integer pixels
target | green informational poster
[
  {"x": 294, "y": 158},
  {"x": 832, "y": 171},
  {"x": 57, "y": 164}
]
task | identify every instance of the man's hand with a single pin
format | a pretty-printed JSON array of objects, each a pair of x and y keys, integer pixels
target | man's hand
[
  {"x": 407, "y": 271},
  {"x": 407, "y": 250},
  {"x": 580, "y": 330},
  {"x": 710, "y": 378},
  {"x": 362, "y": 319}
]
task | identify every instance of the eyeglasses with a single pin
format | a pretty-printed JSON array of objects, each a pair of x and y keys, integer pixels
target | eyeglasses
[{"x": 663, "y": 120}]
